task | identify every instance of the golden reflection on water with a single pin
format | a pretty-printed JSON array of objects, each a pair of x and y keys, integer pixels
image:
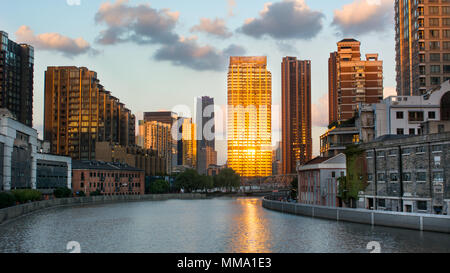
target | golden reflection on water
[{"x": 251, "y": 234}]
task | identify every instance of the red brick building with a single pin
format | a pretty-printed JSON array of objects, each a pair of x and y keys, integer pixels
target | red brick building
[{"x": 108, "y": 178}]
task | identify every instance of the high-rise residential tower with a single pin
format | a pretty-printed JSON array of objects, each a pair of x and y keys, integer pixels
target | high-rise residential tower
[
  {"x": 352, "y": 80},
  {"x": 169, "y": 118},
  {"x": 79, "y": 112},
  {"x": 296, "y": 140},
  {"x": 205, "y": 126},
  {"x": 249, "y": 128},
  {"x": 16, "y": 79},
  {"x": 422, "y": 37}
]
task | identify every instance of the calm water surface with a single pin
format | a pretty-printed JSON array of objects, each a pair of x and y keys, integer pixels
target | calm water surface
[{"x": 206, "y": 226}]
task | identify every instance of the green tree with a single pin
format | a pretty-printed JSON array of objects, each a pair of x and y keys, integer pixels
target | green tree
[
  {"x": 294, "y": 187},
  {"x": 188, "y": 181},
  {"x": 227, "y": 179},
  {"x": 62, "y": 192},
  {"x": 95, "y": 193},
  {"x": 25, "y": 195},
  {"x": 7, "y": 200},
  {"x": 159, "y": 187},
  {"x": 356, "y": 179}
]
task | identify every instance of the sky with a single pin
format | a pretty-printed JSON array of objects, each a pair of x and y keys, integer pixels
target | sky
[{"x": 161, "y": 54}]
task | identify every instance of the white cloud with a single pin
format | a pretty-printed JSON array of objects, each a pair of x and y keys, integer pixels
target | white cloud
[
  {"x": 54, "y": 42},
  {"x": 364, "y": 16},
  {"x": 389, "y": 91},
  {"x": 288, "y": 19},
  {"x": 216, "y": 27},
  {"x": 320, "y": 112}
]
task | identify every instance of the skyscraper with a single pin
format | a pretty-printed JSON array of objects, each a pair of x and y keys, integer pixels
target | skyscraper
[
  {"x": 79, "y": 112},
  {"x": 249, "y": 116},
  {"x": 16, "y": 79},
  {"x": 356, "y": 80},
  {"x": 296, "y": 124},
  {"x": 205, "y": 124},
  {"x": 169, "y": 118},
  {"x": 422, "y": 37},
  {"x": 186, "y": 143}
]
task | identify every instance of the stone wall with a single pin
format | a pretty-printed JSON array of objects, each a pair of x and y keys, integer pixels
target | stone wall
[
  {"x": 424, "y": 222},
  {"x": 11, "y": 213}
]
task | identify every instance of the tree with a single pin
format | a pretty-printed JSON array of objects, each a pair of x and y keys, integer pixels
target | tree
[
  {"x": 356, "y": 179},
  {"x": 159, "y": 187},
  {"x": 95, "y": 193},
  {"x": 228, "y": 179},
  {"x": 187, "y": 180},
  {"x": 7, "y": 200},
  {"x": 62, "y": 192},
  {"x": 294, "y": 187}
]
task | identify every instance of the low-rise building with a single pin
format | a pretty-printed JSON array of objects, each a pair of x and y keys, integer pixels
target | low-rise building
[
  {"x": 336, "y": 139},
  {"x": 318, "y": 180},
  {"x": 407, "y": 173},
  {"x": 24, "y": 163},
  {"x": 107, "y": 178}
]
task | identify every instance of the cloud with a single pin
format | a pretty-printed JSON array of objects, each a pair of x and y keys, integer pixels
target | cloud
[
  {"x": 188, "y": 53},
  {"x": 54, "y": 42},
  {"x": 289, "y": 19},
  {"x": 216, "y": 28},
  {"x": 389, "y": 91},
  {"x": 231, "y": 6},
  {"x": 140, "y": 24},
  {"x": 320, "y": 112},
  {"x": 364, "y": 16}
]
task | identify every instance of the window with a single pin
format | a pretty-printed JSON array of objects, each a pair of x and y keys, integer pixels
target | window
[
  {"x": 333, "y": 174},
  {"x": 435, "y": 69},
  {"x": 421, "y": 177},
  {"x": 369, "y": 177},
  {"x": 380, "y": 154},
  {"x": 399, "y": 115},
  {"x": 434, "y": 33},
  {"x": 381, "y": 177},
  {"x": 446, "y": 21},
  {"x": 393, "y": 177},
  {"x": 369, "y": 154},
  {"x": 421, "y": 205},
  {"x": 446, "y": 69},
  {"x": 393, "y": 152},
  {"x": 433, "y": 10},
  {"x": 412, "y": 131},
  {"x": 438, "y": 177},
  {"x": 435, "y": 45},
  {"x": 382, "y": 203},
  {"x": 435, "y": 80},
  {"x": 434, "y": 22},
  {"x": 406, "y": 177},
  {"x": 436, "y": 148},
  {"x": 406, "y": 151},
  {"x": 400, "y": 131},
  {"x": 420, "y": 149},
  {"x": 441, "y": 128},
  {"x": 415, "y": 116},
  {"x": 431, "y": 115},
  {"x": 435, "y": 57}
]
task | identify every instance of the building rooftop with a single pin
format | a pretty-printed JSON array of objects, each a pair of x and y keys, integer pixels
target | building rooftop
[{"x": 100, "y": 165}]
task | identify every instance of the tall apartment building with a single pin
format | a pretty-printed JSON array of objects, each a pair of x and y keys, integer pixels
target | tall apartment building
[
  {"x": 16, "y": 79},
  {"x": 356, "y": 80},
  {"x": 296, "y": 113},
  {"x": 79, "y": 112},
  {"x": 205, "y": 124},
  {"x": 249, "y": 117},
  {"x": 186, "y": 143},
  {"x": 422, "y": 37},
  {"x": 169, "y": 118}
]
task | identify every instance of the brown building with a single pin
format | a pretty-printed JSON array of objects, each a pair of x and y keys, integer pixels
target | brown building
[
  {"x": 79, "y": 112},
  {"x": 16, "y": 79},
  {"x": 107, "y": 178},
  {"x": 422, "y": 35},
  {"x": 356, "y": 80},
  {"x": 296, "y": 138},
  {"x": 148, "y": 160}
]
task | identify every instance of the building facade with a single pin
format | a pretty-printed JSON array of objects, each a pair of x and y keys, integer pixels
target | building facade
[
  {"x": 107, "y": 178},
  {"x": 336, "y": 140},
  {"x": 186, "y": 143},
  {"x": 205, "y": 126},
  {"x": 352, "y": 80},
  {"x": 403, "y": 115},
  {"x": 79, "y": 112},
  {"x": 150, "y": 161},
  {"x": 16, "y": 79},
  {"x": 249, "y": 117},
  {"x": 408, "y": 174},
  {"x": 296, "y": 113},
  {"x": 318, "y": 180},
  {"x": 24, "y": 163},
  {"x": 422, "y": 37}
]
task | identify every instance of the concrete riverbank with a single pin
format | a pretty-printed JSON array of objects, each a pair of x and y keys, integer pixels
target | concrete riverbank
[
  {"x": 8, "y": 214},
  {"x": 423, "y": 222}
]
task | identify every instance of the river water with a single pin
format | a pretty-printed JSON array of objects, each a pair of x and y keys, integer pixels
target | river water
[{"x": 207, "y": 226}]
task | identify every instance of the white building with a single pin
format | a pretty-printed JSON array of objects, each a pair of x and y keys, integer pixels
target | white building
[
  {"x": 403, "y": 115},
  {"x": 318, "y": 180},
  {"x": 21, "y": 160}
]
